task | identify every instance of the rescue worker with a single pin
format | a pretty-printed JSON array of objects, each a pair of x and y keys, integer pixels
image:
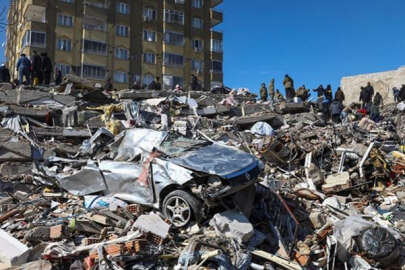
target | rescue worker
[
  {"x": 378, "y": 99},
  {"x": 155, "y": 85},
  {"x": 271, "y": 90},
  {"x": 195, "y": 85},
  {"x": 336, "y": 108},
  {"x": 4, "y": 73},
  {"x": 278, "y": 96},
  {"x": 303, "y": 93},
  {"x": 395, "y": 92},
  {"x": 46, "y": 68},
  {"x": 263, "y": 93},
  {"x": 36, "y": 68},
  {"x": 289, "y": 87},
  {"x": 320, "y": 91},
  {"x": 339, "y": 95},
  {"x": 108, "y": 86},
  {"x": 23, "y": 69},
  {"x": 401, "y": 94},
  {"x": 370, "y": 90},
  {"x": 58, "y": 76},
  {"x": 328, "y": 92},
  {"x": 365, "y": 96}
]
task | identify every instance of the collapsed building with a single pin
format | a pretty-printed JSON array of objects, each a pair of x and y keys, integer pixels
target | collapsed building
[{"x": 145, "y": 179}]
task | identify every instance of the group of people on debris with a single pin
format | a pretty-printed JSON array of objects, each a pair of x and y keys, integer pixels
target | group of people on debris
[
  {"x": 36, "y": 71},
  {"x": 331, "y": 106}
]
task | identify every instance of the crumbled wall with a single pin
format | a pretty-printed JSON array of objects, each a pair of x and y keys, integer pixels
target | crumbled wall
[{"x": 382, "y": 82}]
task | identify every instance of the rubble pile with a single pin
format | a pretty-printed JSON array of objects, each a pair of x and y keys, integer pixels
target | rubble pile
[{"x": 142, "y": 179}]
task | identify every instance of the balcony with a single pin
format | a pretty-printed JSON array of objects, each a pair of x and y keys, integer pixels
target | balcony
[
  {"x": 35, "y": 13},
  {"x": 217, "y": 35},
  {"x": 215, "y": 3},
  {"x": 217, "y": 17}
]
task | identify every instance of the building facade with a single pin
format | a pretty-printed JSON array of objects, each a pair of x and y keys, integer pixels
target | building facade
[{"x": 125, "y": 40}]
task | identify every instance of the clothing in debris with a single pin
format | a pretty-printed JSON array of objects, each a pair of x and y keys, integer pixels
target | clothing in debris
[
  {"x": 289, "y": 87},
  {"x": 46, "y": 68},
  {"x": 263, "y": 92},
  {"x": 23, "y": 69}
]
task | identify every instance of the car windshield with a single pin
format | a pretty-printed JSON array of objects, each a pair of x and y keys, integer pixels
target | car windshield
[{"x": 175, "y": 145}]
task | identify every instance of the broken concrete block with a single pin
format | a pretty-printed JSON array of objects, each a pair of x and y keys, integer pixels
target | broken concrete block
[
  {"x": 12, "y": 251},
  {"x": 56, "y": 232},
  {"x": 337, "y": 182},
  {"x": 152, "y": 223},
  {"x": 234, "y": 225}
]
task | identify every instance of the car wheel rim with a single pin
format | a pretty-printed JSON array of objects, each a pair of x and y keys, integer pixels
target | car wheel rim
[{"x": 179, "y": 211}]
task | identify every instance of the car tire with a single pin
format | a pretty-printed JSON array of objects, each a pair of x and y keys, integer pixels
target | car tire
[{"x": 181, "y": 207}]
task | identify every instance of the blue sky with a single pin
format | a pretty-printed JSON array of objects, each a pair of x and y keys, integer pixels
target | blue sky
[{"x": 314, "y": 41}]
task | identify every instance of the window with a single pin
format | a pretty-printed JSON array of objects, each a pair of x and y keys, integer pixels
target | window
[
  {"x": 174, "y": 38},
  {"x": 67, "y": 1},
  {"x": 198, "y": 45},
  {"x": 34, "y": 39},
  {"x": 122, "y": 8},
  {"x": 197, "y": 3},
  {"x": 65, "y": 20},
  {"x": 197, "y": 65},
  {"x": 122, "y": 53},
  {"x": 170, "y": 82},
  {"x": 122, "y": 30},
  {"x": 147, "y": 79},
  {"x": 95, "y": 47},
  {"x": 65, "y": 69},
  {"x": 149, "y": 36},
  {"x": 216, "y": 66},
  {"x": 216, "y": 45},
  {"x": 149, "y": 58},
  {"x": 173, "y": 16},
  {"x": 94, "y": 72},
  {"x": 197, "y": 23},
  {"x": 64, "y": 45},
  {"x": 120, "y": 77},
  {"x": 149, "y": 14},
  {"x": 97, "y": 27},
  {"x": 96, "y": 4},
  {"x": 173, "y": 59}
]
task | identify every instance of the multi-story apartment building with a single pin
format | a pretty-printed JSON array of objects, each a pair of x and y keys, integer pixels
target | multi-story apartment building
[{"x": 124, "y": 40}]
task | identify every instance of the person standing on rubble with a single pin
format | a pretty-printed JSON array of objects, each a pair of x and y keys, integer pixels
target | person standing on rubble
[
  {"x": 365, "y": 96},
  {"x": 395, "y": 92},
  {"x": 195, "y": 85},
  {"x": 271, "y": 91},
  {"x": 36, "y": 68},
  {"x": 4, "y": 74},
  {"x": 58, "y": 76},
  {"x": 336, "y": 108},
  {"x": 401, "y": 94},
  {"x": 289, "y": 87},
  {"x": 328, "y": 93},
  {"x": 23, "y": 69},
  {"x": 339, "y": 95},
  {"x": 378, "y": 100},
  {"x": 278, "y": 96},
  {"x": 263, "y": 93},
  {"x": 46, "y": 68},
  {"x": 303, "y": 93}
]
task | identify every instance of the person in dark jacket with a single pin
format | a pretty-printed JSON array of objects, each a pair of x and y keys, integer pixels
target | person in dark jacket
[
  {"x": 155, "y": 85},
  {"x": 4, "y": 73},
  {"x": 328, "y": 92},
  {"x": 58, "y": 76},
  {"x": 46, "y": 68},
  {"x": 401, "y": 94},
  {"x": 36, "y": 68},
  {"x": 108, "y": 86},
  {"x": 378, "y": 99},
  {"x": 289, "y": 87},
  {"x": 319, "y": 91},
  {"x": 195, "y": 85},
  {"x": 395, "y": 92},
  {"x": 339, "y": 95},
  {"x": 336, "y": 108},
  {"x": 263, "y": 93},
  {"x": 24, "y": 69},
  {"x": 365, "y": 96},
  {"x": 375, "y": 113},
  {"x": 370, "y": 90}
]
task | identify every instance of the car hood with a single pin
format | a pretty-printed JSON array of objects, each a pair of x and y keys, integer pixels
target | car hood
[{"x": 218, "y": 160}]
